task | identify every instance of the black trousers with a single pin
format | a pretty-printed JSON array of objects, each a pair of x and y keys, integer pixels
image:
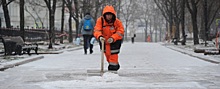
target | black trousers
[
  {"x": 132, "y": 39},
  {"x": 87, "y": 44}
]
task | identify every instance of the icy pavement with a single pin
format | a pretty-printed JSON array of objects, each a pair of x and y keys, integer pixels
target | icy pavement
[
  {"x": 143, "y": 66},
  {"x": 189, "y": 50}
]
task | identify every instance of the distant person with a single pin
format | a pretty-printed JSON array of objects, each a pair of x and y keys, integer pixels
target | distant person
[
  {"x": 132, "y": 38},
  {"x": 111, "y": 30},
  {"x": 148, "y": 38},
  {"x": 86, "y": 28}
]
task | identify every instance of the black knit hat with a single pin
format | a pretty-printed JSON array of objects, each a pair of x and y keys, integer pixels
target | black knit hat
[{"x": 87, "y": 13}]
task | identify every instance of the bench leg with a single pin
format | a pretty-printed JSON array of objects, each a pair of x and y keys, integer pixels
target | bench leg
[
  {"x": 18, "y": 50},
  {"x": 6, "y": 52},
  {"x": 28, "y": 51},
  {"x": 36, "y": 49}
]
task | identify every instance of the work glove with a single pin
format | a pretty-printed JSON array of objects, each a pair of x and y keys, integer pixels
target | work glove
[
  {"x": 101, "y": 38},
  {"x": 110, "y": 40}
]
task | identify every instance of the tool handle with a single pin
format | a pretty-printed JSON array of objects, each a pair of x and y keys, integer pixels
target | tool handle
[{"x": 102, "y": 57}]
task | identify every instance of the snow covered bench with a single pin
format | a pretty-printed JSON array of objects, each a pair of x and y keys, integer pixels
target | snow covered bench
[{"x": 18, "y": 46}]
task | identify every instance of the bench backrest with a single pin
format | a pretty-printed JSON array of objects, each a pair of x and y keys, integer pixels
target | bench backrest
[{"x": 17, "y": 39}]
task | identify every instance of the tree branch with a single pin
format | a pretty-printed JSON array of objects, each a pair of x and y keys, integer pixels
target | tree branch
[{"x": 10, "y": 2}]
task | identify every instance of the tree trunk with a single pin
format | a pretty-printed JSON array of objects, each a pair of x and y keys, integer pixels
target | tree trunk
[
  {"x": 195, "y": 26},
  {"x": 195, "y": 29},
  {"x": 50, "y": 29},
  {"x": 126, "y": 28},
  {"x": 51, "y": 21},
  {"x": 177, "y": 32},
  {"x": 62, "y": 22},
  {"x": 77, "y": 16},
  {"x": 160, "y": 36},
  {"x": 6, "y": 14},
  {"x": 119, "y": 9},
  {"x": 22, "y": 19},
  {"x": 183, "y": 23},
  {"x": 176, "y": 20},
  {"x": 151, "y": 32},
  {"x": 53, "y": 27},
  {"x": 171, "y": 21},
  {"x": 206, "y": 21},
  {"x": 70, "y": 22},
  {"x": 70, "y": 28},
  {"x": 97, "y": 9},
  {"x": 155, "y": 28},
  {"x": 0, "y": 22},
  {"x": 193, "y": 12},
  {"x": 145, "y": 30}
]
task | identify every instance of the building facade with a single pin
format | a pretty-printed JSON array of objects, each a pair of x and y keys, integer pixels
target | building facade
[{"x": 36, "y": 16}]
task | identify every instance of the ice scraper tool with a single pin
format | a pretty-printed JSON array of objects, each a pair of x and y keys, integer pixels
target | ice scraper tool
[{"x": 98, "y": 72}]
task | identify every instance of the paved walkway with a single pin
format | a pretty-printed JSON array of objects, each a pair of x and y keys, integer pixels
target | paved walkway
[{"x": 143, "y": 66}]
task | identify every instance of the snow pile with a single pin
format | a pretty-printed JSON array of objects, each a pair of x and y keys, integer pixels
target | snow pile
[
  {"x": 107, "y": 80},
  {"x": 106, "y": 77}
]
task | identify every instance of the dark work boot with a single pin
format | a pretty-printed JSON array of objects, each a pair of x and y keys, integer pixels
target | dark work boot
[
  {"x": 91, "y": 47},
  {"x": 113, "y": 67},
  {"x": 85, "y": 51},
  {"x": 91, "y": 51}
]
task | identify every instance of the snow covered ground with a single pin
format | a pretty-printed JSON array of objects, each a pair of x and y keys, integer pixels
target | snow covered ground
[{"x": 143, "y": 66}]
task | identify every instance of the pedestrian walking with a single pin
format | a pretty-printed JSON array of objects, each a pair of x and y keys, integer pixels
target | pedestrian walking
[
  {"x": 110, "y": 29},
  {"x": 86, "y": 29},
  {"x": 132, "y": 38}
]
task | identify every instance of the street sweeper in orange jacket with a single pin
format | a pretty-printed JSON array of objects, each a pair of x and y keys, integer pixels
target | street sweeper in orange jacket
[{"x": 110, "y": 29}]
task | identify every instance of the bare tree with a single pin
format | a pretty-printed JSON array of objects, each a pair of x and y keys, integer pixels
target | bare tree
[
  {"x": 6, "y": 12},
  {"x": 87, "y": 6},
  {"x": 62, "y": 21},
  {"x": 192, "y": 6},
  {"x": 145, "y": 15},
  {"x": 165, "y": 7},
  {"x": 76, "y": 15},
  {"x": 98, "y": 8},
  {"x": 22, "y": 19},
  {"x": 94, "y": 7},
  {"x": 176, "y": 16},
  {"x": 32, "y": 8},
  {"x": 183, "y": 4},
  {"x": 157, "y": 21},
  {"x": 0, "y": 17},
  {"x": 127, "y": 13},
  {"x": 31, "y": 14},
  {"x": 69, "y": 4},
  {"x": 210, "y": 10},
  {"x": 52, "y": 10}
]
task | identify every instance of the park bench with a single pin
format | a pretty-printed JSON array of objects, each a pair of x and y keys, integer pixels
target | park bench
[
  {"x": 16, "y": 45},
  {"x": 176, "y": 41}
]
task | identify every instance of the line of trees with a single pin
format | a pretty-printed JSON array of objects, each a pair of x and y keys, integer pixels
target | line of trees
[
  {"x": 202, "y": 14},
  {"x": 76, "y": 9},
  {"x": 201, "y": 11}
]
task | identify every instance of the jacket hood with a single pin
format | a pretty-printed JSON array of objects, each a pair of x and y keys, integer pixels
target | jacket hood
[
  {"x": 109, "y": 9},
  {"x": 88, "y": 17}
]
